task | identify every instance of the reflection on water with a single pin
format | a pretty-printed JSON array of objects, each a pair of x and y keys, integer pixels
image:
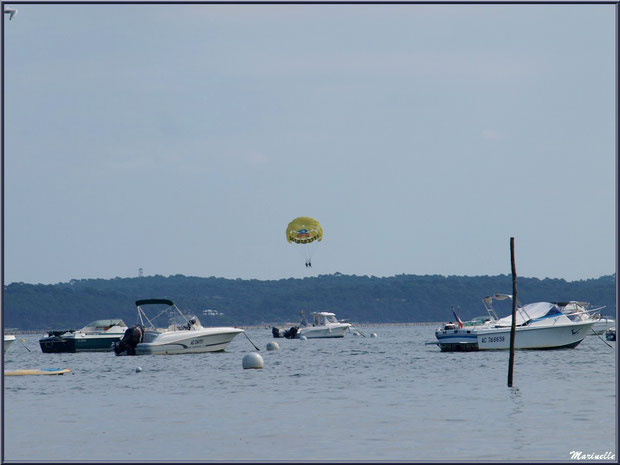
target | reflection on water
[{"x": 385, "y": 398}]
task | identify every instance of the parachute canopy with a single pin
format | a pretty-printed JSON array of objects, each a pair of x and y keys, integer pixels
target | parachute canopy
[{"x": 304, "y": 230}]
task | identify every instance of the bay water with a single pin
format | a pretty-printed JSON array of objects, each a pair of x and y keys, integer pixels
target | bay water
[{"x": 389, "y": 398}]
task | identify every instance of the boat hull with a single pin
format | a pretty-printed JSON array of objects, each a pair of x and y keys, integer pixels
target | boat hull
[
  {"x": 59, "y": 344},
  {"x": 8, "y": 340},
  {"x": 562, "y": 336},
  {"x": 187, "y": 343},
  {"x": 461, "y": 340},
  {"x": 549, "y": 337},
  {"x": 334, "y": 331}
]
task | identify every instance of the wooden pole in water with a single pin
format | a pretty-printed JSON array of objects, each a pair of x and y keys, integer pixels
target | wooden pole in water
[{"x": 513, "y": 325}]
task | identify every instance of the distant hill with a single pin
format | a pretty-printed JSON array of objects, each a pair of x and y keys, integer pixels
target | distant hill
[{"x": 219, "y": 301}]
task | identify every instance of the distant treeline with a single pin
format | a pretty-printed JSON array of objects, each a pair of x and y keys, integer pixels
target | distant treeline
[{"x": 219, "y": 301}]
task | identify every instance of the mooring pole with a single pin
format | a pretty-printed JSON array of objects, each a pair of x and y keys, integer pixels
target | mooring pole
[{"x": 513, "y": 325}]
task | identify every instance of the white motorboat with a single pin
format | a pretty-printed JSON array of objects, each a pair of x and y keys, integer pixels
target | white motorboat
[
  {"x": 8, "y": 340},
  {"x": 183, "y": 335},
  {"x": 540, "y": 325},
  {"x": 581, "y": 311},
  {"x": 323, "y": 325},
  {"x": 97, "y": 336}
]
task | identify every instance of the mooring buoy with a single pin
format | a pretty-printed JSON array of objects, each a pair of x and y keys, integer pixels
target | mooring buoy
[
  {"x": 273, "y": 346},
  {"x": 252, "y": 360}
]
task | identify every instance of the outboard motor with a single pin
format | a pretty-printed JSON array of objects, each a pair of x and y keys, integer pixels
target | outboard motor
[
  {"x": 276, "y": 332},
  {"x": 132, "y": 337},
  {"x": 291, "y": 332}
]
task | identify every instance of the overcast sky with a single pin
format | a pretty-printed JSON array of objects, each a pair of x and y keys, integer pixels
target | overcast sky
[{"x": 182, "y": 139}]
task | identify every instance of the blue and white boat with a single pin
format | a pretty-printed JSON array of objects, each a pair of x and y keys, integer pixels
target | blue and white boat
[{"x": 97, "y": 336}]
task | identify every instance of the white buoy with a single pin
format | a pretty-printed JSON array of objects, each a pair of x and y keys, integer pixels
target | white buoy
[
  {"x": 303, "y": 338},
  {"x": 373, "y": 334},
  {"x": 356, "y": 333},
  {"x": 138, "y": 370},
  {"x": 252, "y": 360},
  {"x": 273, "y": 346}
]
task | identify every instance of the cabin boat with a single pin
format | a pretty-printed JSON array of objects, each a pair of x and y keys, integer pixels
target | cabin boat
[
  {"x": 323, "y": 325},
  {"x": 183, "y": 334},
  {"x": 97, "y": 336},
  {"x": 540, "y": 325}
]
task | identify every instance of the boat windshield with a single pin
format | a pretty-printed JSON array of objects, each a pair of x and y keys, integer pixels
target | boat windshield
[
  {"x": 103, "y": 325},
  {"x": 183, "y": 322},
  {"x": 321, "y": 319}
]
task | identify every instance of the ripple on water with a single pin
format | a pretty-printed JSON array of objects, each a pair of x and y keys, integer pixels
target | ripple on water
[{"x": 382, "y": 399}]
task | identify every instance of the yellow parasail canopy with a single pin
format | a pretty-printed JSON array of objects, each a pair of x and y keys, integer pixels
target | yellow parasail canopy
[{"x": 304, "y": 230}]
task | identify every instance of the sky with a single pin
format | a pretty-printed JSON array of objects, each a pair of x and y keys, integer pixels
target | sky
[{"x": 182, "y": 139}]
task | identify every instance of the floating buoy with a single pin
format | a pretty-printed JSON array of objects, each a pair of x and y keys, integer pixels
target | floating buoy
[
  {"x": 356, "y": 333},
  {"x": 273, "y": 346},
  {"x": 303, "y": 338},
  {"x": 373, "y": 334},
  {"x": 252, "y": 360},
  {"x": 138, "y": 370}
]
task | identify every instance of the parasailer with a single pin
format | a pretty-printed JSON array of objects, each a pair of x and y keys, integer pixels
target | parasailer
[{"x": 305, "y": 232}]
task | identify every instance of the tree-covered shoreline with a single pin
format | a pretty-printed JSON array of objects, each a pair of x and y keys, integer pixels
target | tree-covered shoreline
[{"x": 220, "y": 301}]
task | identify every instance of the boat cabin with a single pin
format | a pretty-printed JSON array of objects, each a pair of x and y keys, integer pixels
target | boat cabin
[{"x": 323, "y": 318}]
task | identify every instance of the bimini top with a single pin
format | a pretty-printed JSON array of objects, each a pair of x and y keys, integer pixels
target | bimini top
[
  {"x": 153, "y": 302},
  {"x": 531, "y": 312}
]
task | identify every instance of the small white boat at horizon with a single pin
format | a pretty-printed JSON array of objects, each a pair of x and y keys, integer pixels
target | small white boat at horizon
[
  {"x": 323, "y": 325},
  {"x": 183, "y": 335},
  {"x": 8, "y": 340},
  {"x": 540, "y": 325}
]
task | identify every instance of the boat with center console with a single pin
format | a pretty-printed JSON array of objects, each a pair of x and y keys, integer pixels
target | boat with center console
[
  {"x": 184, "y": 334},
  {"x": 540, "y": 325}
]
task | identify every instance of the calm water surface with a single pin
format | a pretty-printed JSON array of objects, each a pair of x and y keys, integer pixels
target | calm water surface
[{"x": 352, "y": 399}]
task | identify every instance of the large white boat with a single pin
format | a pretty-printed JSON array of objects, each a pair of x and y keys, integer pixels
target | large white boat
[
  {"x": 8, "y": 340},
  {"x": 540, "y": 325},
  {"x": 323, "y": 325},
  {"x": 97, "y": 336},
  {"x": 183, "y": 335}
]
